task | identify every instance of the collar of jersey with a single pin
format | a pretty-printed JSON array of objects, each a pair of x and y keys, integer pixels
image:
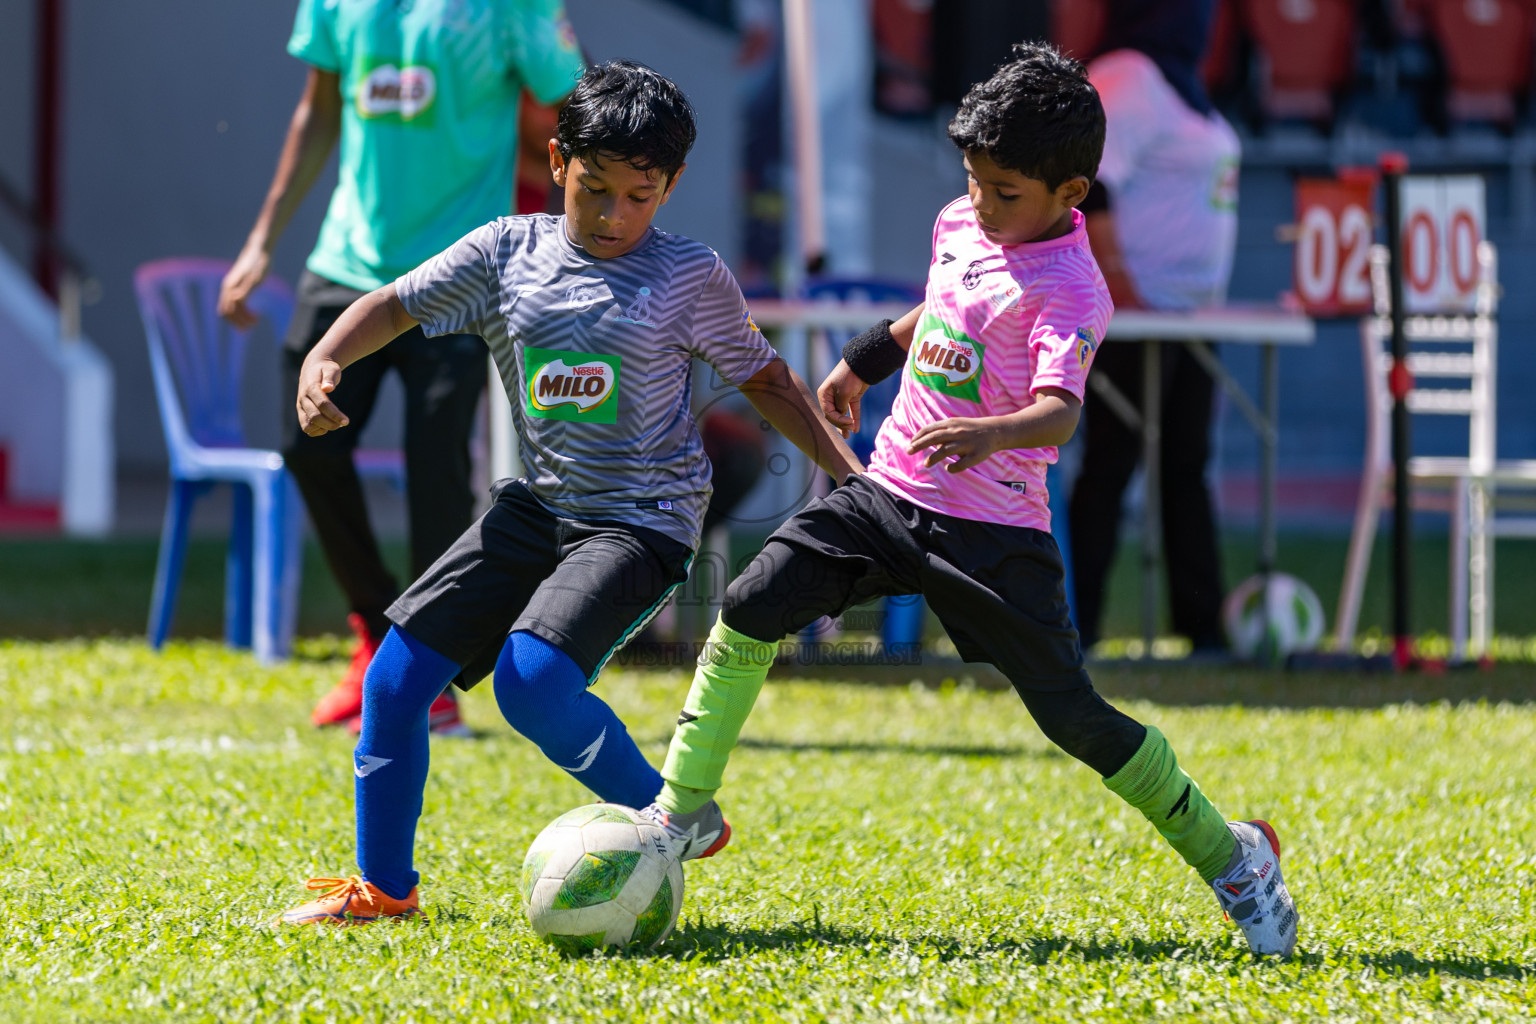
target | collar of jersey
[{"x": 651, "y": 234}]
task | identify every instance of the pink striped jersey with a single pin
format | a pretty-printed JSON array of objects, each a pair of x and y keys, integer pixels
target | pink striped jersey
[{"x": 998, "y": 324}]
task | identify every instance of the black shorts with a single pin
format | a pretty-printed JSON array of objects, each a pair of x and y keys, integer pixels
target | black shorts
[
  {"x": 586, "y": 586},
  {"x": 998, "y": 590}
]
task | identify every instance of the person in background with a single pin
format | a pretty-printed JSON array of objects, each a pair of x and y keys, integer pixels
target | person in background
[
  {"x": 1162, "y": 220},
  {"x": 424, "y": 100}
]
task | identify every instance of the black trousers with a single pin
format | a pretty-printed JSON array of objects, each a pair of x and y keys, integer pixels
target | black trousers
[
  {"x": 998, "y": 590},
  {"x": 1110, "y": 454},
  {"x": 443, "y": 378}
]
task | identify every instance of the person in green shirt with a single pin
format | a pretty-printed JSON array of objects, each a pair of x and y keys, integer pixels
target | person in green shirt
[{"x": 423, "y": 97}]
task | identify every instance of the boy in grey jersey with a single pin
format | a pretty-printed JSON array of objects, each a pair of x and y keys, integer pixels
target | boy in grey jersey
[{"x": 594, "y": 319}]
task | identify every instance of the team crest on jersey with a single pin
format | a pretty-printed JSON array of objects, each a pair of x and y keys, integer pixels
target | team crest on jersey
[
  {"x": 947, "y": 360},
  {"x": 1087, "y": 342},
  {"x": 581, "y": 295},
  {"x": 638, "y": 311},
  {"x": 387, "y": 91},
  {"x": 573, "y": 386},
  {"x": 972, "y": 276}
]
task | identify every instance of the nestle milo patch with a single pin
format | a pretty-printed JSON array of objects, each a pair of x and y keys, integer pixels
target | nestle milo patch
[
  {"x": 946, "y": 359},
  {"x": 575, "y": 386}
]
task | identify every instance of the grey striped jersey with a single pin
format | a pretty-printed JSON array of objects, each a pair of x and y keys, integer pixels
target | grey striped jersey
[{"x": 595, "y": 357}]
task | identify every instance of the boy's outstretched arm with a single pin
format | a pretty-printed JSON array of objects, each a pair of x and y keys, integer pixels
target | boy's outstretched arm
[
  {"x": 782, "y": 398},
  {"x": 366, "y": 326},
  {"x": 1049, "y": 422},
  {"x": 842, "y": 391}
]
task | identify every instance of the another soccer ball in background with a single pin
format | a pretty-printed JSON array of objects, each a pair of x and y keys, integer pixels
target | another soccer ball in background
[
  {"x": 602, "y": 876},
  {"x": 1271, "y": 622}
]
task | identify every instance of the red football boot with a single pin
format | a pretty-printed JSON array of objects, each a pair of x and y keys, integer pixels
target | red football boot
[
  {"x": 345, "y": 702},
  {"x": 442, "y": 718}
]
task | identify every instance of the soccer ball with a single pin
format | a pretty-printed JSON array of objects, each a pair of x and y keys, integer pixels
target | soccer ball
[
  {"x": 601, "y": 875},
  {"x": 1271, "y": 623}
]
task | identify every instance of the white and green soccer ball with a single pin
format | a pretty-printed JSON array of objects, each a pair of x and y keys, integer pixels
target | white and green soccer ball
[
  {"x": 1270, "y": 622},
  {"x": 601, "y": 875}
]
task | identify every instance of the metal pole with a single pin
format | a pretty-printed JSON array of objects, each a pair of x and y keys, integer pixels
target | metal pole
[
  {"x": 46, "y": 118},
  {"x": 1400, "y": 382},
  {"x": 1269, "y": 436},
  {"x": 805, "y": 132},
  {"x": 1151, "y": 516},
  {"x": 1267, "y": 472}
]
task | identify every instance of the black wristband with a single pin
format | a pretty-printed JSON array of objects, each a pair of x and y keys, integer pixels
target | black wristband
[{"x": 874, "y": 355}]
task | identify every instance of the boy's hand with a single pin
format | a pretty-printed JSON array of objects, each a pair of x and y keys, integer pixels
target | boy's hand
[
  {"x": 965, "y": 440},
  {"x": 249, "y": 270},
  {"x": 839, "y": 396},
  {"x": 317, "y": 413}
]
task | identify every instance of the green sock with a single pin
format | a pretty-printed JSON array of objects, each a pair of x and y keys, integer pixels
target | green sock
[
  {"x": 1154, "y": 784},
  {"x": 730, "y": 675}
]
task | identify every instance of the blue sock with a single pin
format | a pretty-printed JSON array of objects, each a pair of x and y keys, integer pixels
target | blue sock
[
  {"x": 544, "y": 695},
  {"x": 390, "y": 761}
]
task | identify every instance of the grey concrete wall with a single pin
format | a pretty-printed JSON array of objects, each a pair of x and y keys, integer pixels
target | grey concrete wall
[{"x": 174, "y": 113}]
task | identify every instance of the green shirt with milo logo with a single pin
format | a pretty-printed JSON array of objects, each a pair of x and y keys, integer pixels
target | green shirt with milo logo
[{"x": 429, "y": 94}]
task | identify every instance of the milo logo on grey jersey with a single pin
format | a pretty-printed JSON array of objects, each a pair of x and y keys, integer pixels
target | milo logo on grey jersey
[{"x": 574, "y": 386}]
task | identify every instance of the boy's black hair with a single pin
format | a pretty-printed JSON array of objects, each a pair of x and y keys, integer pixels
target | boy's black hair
[
  {"x": 623, "y": 110},
  {"x": 1037, "y": 115}
]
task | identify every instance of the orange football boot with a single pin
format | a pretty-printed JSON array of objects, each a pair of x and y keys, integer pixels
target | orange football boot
[
  {"x": 349, "y": 901},
  {"x": 345, "y": 702}
]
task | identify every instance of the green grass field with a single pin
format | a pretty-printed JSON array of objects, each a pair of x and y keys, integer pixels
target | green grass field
[{"x": 902, "y": 853}]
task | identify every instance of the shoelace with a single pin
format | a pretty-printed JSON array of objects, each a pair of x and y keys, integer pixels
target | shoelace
[
  {"x": 1233, "y": 892},
  {"x": 658, "y": 817},
  {"x": 352, "y": 885}
]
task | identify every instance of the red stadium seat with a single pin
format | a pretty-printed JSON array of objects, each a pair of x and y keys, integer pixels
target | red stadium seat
[
  {"x": 1220, "y": 66},
  {"x": 1076, "y": 26},
  {"x": 1487, "y": 48},
  {"x": 1309, "y": 51}
]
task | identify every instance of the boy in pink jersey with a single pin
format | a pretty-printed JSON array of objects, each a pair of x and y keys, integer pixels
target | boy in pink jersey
[{"x": 954, "y": 504}]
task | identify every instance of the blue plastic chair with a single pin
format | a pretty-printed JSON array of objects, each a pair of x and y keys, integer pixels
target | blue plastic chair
[
  {"x": 904, "y": 615},
  {"x": 198, "y": 362}
]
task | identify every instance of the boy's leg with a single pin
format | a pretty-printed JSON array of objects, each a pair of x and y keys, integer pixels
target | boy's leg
[
  {"x": 390, "y": 762},
  {"x": 1190, "y": 533},
  {"x": 390, "y": 769},
  {"x": 322, "y": 466},
  {"x": 544, "y": 696},
  {"x": 835, "y": 553},
  {"x": 1111, "y": 450},
  {"x": 333, "y": 493},
  {"x": 999, "y": 592},
  {"x": 610, "y": 579},
  {"x": 444, "y": 379}
]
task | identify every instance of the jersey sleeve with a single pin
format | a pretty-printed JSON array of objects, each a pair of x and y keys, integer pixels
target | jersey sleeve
[
  {"x": 1064, "y": 339},
  {"x": 456, "y": 290},
  {"x": 1131, "y": 116},
  {"x": 724, "y": 335},
  {"x": 314, "y": 35},
  {"x": 545, "y": 50}
]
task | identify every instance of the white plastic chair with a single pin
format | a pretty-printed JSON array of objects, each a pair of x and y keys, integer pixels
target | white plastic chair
[{"x": 1443, "y": 348}]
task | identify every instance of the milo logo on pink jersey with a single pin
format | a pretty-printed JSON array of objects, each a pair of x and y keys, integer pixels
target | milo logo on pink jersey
[{"x": 946, "y": 360}]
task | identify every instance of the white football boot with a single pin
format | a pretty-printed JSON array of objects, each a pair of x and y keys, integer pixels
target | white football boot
[
  {"x": 1252, "y": 893},
  {"x": 700, "y": 833}
]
